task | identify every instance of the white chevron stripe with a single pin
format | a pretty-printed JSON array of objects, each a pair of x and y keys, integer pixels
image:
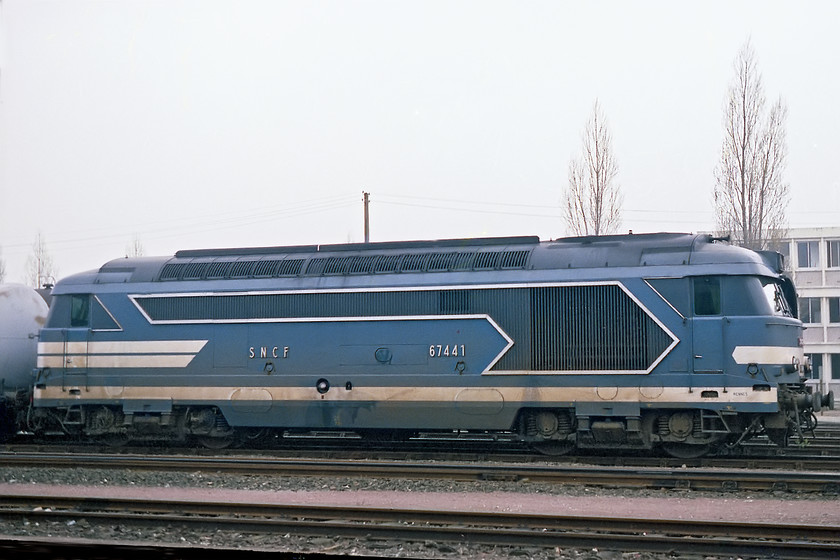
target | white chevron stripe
[
  {"x": 117, "y": 361},
  {"x": 118, "y": 354},
  {"x": 123, "y": 347},
  {"x": 768, "y": 354}
]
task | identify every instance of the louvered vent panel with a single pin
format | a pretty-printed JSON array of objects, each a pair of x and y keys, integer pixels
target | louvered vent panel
[
  {"x": 441, "y": 261},
  {"x": 346, "y": 265},
  {"x": 289, "y": 267},
  {"x": 414, "y": 263},
  {"x": 172, "y": 271},
  {"x": 241, "y": 269},
  {"x": 463, "y": 261},
  {"x": 218, "y": 269},
  {"x": 593, "y": 328},
  {"x": 316, "y": 267},
  {"x": 334, "y": 265},
  {"x": 362, "y": 265},
  {"x": 194, "y": 271},
  {"x": 265, "y": 269},
  {"x": 513, "y": 259},
  {"x": 485, "y": 261},
  {"x": 388, "y": 263}
]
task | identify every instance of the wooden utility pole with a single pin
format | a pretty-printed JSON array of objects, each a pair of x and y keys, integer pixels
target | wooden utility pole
[{"x": 366, "y": 200}]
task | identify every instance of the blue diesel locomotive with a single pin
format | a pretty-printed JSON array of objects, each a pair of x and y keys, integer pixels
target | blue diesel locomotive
[{"x": 634, "y": 341}]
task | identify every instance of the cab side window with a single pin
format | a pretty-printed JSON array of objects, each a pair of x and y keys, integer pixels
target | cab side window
[
  {"x": 675, "y": 291},
  {"x": 707, "y": 295},
  {"x": 100, "y": 319},
  {"x": 80, "y": 311}
]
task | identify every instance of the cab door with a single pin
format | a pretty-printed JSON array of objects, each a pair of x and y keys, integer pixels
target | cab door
[
  {"x": 708, "y": 323},
  {"x": 76, "y": 341}
]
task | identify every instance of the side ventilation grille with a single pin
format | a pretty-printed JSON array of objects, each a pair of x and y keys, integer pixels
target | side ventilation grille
[
  {"x": 350, "y": 265},
  {"x": 217, "y": 270},
  {"x": 418, "y": 262},
  {"x": 593, "y": 328}
]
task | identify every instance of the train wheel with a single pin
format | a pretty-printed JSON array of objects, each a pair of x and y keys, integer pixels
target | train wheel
[
  {"x": 254, "y": 435},
  {"x": 685, "y": 450},
  {"x": 103, "y": 425},
  {"x": 217, "y": 442},
  {"x": 554, "y": 448}
]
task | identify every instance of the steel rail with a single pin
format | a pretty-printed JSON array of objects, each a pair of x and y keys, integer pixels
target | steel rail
[
  {"x": 782, "y": 459},
  {"x": 492, "y": 528},
  {"x": 50, "y": 548},
  {"x": 824, "y": 447},
  {"x": 736, "y": 462},
  {"x": 714, "y": 479},
  {"x": 824, "y": 441}
]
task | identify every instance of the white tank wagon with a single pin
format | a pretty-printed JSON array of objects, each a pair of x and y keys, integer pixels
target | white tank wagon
[{"x": 23, "y": 312}]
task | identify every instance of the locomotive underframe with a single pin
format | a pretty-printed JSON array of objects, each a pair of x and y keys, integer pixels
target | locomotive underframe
[{"x": 680, "y": 431}]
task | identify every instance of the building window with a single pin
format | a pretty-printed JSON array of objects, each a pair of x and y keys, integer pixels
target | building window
[
  {"x": 784, "y": 249},
  {"x": 833, "y": 251},
  {"x": 816, "y": 365},
  {"x": 835, "y": 366},
  {"x": 834, "y": 310},
  {"x": 809, "y": 254},
  {"x": 809, "y": 310}
]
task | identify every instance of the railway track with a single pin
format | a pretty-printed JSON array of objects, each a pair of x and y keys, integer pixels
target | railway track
[
  {"x": 438, "y": 525},
  {"x": 699, "y": 478},
  {"x": 825, "y": 442}
]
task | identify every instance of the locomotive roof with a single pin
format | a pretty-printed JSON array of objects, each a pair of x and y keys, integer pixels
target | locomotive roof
[{"x": 451, "y": 255}]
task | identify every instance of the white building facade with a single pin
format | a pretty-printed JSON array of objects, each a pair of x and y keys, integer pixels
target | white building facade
[{"x": 812, "y": 256}]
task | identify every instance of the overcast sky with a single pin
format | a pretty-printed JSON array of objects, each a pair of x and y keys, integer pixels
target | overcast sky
[{"x": 193, "y": 124}]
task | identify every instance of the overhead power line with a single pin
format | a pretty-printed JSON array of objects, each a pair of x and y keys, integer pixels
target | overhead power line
[{"x": 161, "y": 229}]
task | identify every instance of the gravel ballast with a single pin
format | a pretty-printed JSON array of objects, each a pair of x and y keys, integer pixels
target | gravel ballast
[{"x": 483, "y": 496}]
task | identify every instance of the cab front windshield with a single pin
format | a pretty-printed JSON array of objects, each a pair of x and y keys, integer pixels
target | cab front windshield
[{"x": 776, "y": 297}]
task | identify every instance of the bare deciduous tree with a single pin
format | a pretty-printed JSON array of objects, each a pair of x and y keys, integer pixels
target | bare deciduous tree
[
  {"x": 135, "y": 249},
  {"x": 750, "y": 195},
  {"x": 2, "y": 268},
  {"x": 593, "y": 200},
  {"x": 40, "y": 269}
]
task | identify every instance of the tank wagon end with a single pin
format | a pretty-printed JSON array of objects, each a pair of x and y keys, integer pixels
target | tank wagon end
[{"x": 23, "y": 312}]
